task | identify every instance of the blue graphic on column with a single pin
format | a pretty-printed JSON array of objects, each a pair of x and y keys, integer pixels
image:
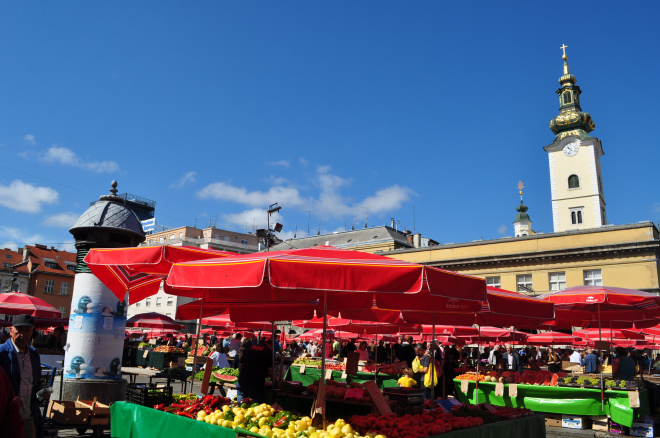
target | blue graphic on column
[{"x": 97, "y": 328}]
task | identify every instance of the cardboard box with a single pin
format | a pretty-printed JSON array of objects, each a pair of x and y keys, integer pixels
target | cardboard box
[
  {"x": 618, "y": 429},
  {"x": 642, "y": 428},
  {"x": 66, "y": 412},
  {"x": 575, "y": 422},
  {"x": 553, "y": 420},
  {"x": 100, "y": 413},
  {"x": 599, "y": 422}
]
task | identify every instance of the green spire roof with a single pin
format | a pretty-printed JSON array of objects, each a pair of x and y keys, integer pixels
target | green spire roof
[{"x": 522, "y": 213}]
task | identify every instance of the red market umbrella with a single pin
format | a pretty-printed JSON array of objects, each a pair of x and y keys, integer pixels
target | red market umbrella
[
  {"x": 16, "y": 303},
  {"x": 620, "y": 334},
  {"x": 140, "y": 270},
  {"x": 153, "y": 320},
  {"x": 552, "y": 338},
  {"x": 450, "y": 330}
]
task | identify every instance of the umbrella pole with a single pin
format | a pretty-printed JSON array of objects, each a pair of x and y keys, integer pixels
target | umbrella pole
[
  {"x": 199, "y": 326},
  {"x": 325, "y": 343},
  {"x": 431, "y": 370},
  {"x": 376, "y": 356},
  {"x": 478, "y": 360},
  {"x": 272, "y": 332},
  {"x": 602, "y": 389}
]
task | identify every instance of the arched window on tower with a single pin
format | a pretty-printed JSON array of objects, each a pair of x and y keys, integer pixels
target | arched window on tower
[
  {"x": 573, "y": 182},
  {"x": 567, "y": 97}
]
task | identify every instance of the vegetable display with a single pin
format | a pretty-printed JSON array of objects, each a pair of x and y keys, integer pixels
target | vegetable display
[
  {"x": 432, "y": 422},
  {"x": 219, "y": 371}
]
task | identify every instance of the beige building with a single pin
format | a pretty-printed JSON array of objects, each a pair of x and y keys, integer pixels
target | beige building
[{"x": 206, "y": 238}]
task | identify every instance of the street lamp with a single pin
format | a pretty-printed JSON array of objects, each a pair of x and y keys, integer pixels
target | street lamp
[{"x": 267, "y": 233}]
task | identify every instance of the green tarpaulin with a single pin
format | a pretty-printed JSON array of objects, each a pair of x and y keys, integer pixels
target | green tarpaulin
[
  {"x": 559, "y": 400},
  {"x": 312, "y": 374},
  {"x": 132, "y": 421}
]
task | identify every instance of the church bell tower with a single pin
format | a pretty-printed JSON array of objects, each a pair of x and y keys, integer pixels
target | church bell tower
[{"x": 578, "y": 201}]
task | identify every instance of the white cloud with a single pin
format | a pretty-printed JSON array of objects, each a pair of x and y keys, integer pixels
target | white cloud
[
  {"x": 329, "y": 203},
  {"x": 303, "y": 161},
  {"x": 254, "y": 217},
  {"x": 282, "y": 163},
  {"x": 69, "y": 245},
  {"x": 226, "y": 192},
  {"x": 188, "y": 177},
  {"x": 67, "y": 157},
  {"x": 502, "y": 229},
  {"x": 12, "y": 238},
  {"x": 65, "y": 220},
  {"x": 21, "y": 196},
  {"x": 29, "y": 138}
]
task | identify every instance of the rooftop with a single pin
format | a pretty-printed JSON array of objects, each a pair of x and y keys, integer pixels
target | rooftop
[{"x": 346, "y": 239}]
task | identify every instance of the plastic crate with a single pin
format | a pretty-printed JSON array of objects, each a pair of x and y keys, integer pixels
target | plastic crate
[{"x": 144, "y": 395}]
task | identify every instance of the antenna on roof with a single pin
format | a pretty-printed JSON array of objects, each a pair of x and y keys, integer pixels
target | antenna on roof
[
  {"x": 319, "y": 232},
  {"x": 309, "y": 215},
  {"x": 366, "y": 222},
  {"x": 296, "y": 232}
]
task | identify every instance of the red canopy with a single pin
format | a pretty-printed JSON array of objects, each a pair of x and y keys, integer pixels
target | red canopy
[
  {"x": 307, "y": 273},
  {"x": 16, "y": 303},
  {"x": 153, "y": 320},
  {"x": 552, "y": 338},
  {"x": 592, "y": 333},
  {"x": 450, "y": 330},
  {"x": 140, "y": 270}
]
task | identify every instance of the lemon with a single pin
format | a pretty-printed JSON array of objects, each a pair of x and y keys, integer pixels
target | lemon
[
  {"x": 267, "y": 433},
  {"x": 340, "y": 423},
  {"x": 383, "y": 436},
  {"x": 254, "y": 429},
  {"x": 346, "y": 429}
]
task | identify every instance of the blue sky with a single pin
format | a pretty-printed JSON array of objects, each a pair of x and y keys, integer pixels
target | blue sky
[{"x": 217, "y": 109}]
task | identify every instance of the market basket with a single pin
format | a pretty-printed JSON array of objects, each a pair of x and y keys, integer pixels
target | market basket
[{"x": 145, "y": 395}]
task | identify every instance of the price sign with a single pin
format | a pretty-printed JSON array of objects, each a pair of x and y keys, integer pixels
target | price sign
[
  {"x": 513, "y": 390},
  {"x": 328, "y": 374},
  {"x": 499, "y": 389},
  {"x": 319, "y": 405},
  {"x": 146, "y": 353},
  {"x": 352, "y": 360},
  {"x": 207, "y": 376},
  {"x": 633, "y": 399},
  {"x": 465, "y": 385},
  {"x": 302, "y": 369},
  {"x": 344, "y": 375},
  {"x": 378, "y": 398}
]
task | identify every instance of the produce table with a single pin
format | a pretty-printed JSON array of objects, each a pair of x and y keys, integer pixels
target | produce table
[
  {"x": 132, "y": 421},
  {"x": 559, "y": 400},
  {"x": 153, "y": 359},
  {"x": 313, "y": 374}
]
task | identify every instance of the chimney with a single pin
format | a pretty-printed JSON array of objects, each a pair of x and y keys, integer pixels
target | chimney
[
  {"x": 410, "y": 239},
  {"x": 392, "y": 223},
  {"x": 417, "y": 240}
]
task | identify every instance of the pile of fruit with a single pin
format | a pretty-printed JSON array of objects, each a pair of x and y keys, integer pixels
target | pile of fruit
[
  {"x": 169, "y": 349},
  {"x": 308, "y": 361},
  {"x": 595, "y": 382},
  {"x": 383, "y": 368},
  {"x": 201, "y": 351},
  {"x": 222, "y": 372},
  {"x": 432, "y": 422},
  {"x": 471, "y": 411},
  {"x": 472, "y": 377},
  {"x": 143, "y": 345},
  {"x": 182, "y": 397},
  {"x": 335, "y": 366},
  {"x": 541, "y": 377},
  {"x": 340, "y": 391},
  {"x": 191, "y": 407}
]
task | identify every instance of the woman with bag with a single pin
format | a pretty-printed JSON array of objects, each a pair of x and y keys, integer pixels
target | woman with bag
[
  {"x": 554, "y": 362},
  {"x": 430, "y": 378}
]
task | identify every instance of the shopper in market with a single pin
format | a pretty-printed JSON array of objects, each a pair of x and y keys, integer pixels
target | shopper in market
[
  {"x": 623, "y": 367},
  {"x": 430, "y": 379},
  {"x": 407, "y": 351},
  {"x": 179, "y": 343},
  {"x": 590, "y": 361},
  {"x": 364, "y": 353},
  {"x": 55, "y": 340},
  {"x": 381, "y": 352},
  {"x": 494, "y": 356},
  {"x": 576, "y": 357},
  {"x": 511, "y": 360},
  {"x": 554, "y": 363},
  {"x": 233, "y": 348},
  {"x": 22, "y": 364},
  {"x": 255, "y": 366},
  {"x": 246, "y": 344},
  {"x": 407, "y": 380}
]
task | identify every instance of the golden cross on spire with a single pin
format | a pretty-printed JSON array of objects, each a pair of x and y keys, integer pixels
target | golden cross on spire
[
  {"x": 520, "y": 187},
  {"x": 563, "y": 48}
]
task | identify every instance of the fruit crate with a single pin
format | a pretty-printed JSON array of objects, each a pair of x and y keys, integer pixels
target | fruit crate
[{"x": 145, "y": 395}]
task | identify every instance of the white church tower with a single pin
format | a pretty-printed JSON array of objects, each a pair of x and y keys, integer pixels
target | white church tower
[
  {"x": 522, "y": 225},
  {"x": 578, "y": 201}
]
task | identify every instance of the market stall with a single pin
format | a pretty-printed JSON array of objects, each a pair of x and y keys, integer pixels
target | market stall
[
  {"x": 309, "y": 375},
  {"x": 558, "y": 400}
]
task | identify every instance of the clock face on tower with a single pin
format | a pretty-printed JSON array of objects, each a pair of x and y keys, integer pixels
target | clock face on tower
[{"x": 572, "y": 148}]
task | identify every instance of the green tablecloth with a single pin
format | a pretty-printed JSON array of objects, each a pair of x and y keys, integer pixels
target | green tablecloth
[
  {"x": 154, "y": 359},
  {"x": 312, "y": 374},
  {"x": 532, "y": 426},
  {"x": 132, "y": 421},
  {"x": 559, "y": 400}
]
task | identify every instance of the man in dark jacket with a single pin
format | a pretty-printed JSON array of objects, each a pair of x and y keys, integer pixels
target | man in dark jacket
[
  {"x": 22, "y": 364},
  {"x": 511, "y": 360},
  {"x": 407, "y": 351}
]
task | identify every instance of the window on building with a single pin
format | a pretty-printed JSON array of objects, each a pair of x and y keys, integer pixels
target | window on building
[
  {"x": 50, "y": 287},
  {"x": 171, "y": 236},
  {"x": 51, "y": 265},
  {"x": 180, "y": 235},
  {"x": 7, "y": 256},
  {"x": 573, "y": 182},
  {"x": 227, "y": 239},
  {"x": 159, "y": 301},
  {"x": 71, "y": 267},
  {"x": 493, "y": 281},
  {"x": 64, "y": 288},
  {"x": 593, "y": 277},
  {"x": 151, "y": 240},
  {"x": 244, "y": 242},
  {"x": 170, "y": 315},
  {"x": 217, "y": 237},
  {"x": 523, "y": 281},
  {"x": 567, "y": 97},
  {"x": 602, "y": 217},
  {"x": 137, "y": 304},
  {"x": 63, "y": 310},
  {"x": 6, "y": 265},
  {"x": 148, "y": 303},
  {"x": 557, "y": 280},
  {"x": 161, "y": 239},
  {"x": 576, "y": 216},
  {"x": 170, "y": 301}
]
